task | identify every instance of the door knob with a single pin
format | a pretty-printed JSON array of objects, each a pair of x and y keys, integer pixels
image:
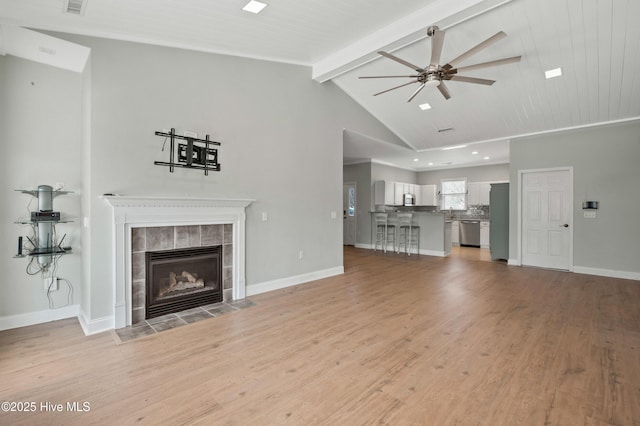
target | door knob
[{"x": 566, "y": 225}]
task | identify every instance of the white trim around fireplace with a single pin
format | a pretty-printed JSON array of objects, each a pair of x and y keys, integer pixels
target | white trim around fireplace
[{"x": 132, "y": 212}]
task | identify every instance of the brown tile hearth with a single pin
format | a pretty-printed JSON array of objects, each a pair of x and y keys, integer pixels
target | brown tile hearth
[{"x": 153, "y": 326}]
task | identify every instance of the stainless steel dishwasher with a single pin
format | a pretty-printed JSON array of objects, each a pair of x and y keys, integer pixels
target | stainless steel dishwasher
[{"x": 470, "y": 233}]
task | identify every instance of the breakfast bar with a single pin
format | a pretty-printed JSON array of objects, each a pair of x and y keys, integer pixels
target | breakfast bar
[{"x": 434, "y": 234}]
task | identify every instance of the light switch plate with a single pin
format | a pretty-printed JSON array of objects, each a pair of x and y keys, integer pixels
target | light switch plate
[{"x": 590, "y": 215}]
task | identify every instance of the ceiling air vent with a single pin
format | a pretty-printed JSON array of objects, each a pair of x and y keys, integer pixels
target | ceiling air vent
[{"x": 75, "y": 7}]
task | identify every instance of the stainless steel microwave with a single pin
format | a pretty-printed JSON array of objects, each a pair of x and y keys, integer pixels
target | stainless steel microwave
[{"x": 409, "y": 200}]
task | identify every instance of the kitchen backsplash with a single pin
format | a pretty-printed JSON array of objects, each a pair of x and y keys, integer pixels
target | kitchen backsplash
[{"x": 474, "y": 212}]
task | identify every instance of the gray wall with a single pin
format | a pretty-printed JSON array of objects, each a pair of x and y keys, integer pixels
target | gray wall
[
  {"x": 394, "y": 174},
  {"x": 40, "y": 143},
  {"x": 605, "y": 163},
  {"x": 281, "y": 135},
  {"x": 490, "y": 173},
  {"x": 361, "y": 175}
]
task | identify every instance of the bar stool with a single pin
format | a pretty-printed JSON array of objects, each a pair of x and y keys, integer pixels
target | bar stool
[
  {"x": 385, "y": 232},
  {"x": 409, "y": 234}
]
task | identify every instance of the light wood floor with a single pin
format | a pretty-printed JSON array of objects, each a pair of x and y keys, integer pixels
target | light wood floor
[
  {"x": 471, "y": 253},
  {"x": 395, "y": 340}
]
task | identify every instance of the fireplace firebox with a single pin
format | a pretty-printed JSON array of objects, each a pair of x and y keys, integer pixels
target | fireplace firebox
[{"x": 182, "y": 279}]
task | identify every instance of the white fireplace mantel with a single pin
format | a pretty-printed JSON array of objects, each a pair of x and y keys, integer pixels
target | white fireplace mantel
[{"x": 132, "y": 212}]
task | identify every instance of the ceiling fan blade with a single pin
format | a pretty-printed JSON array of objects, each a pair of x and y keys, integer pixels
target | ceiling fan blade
[
  {"x": 479, "y": 47},
  {"x": 472, "y": 80},
  {"x": 401, "y": 61},
  {"x": 443, "y": 89},
  {"x": 394, "y": 88},
  {"x": 390, "y": 76},
  {"x": 486, "y": 64},
  {"x": 413, "y": 95},
  {"x": 437, "y": 40}
]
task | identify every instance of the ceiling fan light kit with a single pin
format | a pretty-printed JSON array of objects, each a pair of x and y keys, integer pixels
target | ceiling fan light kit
[{"x": 435, "y": 74}]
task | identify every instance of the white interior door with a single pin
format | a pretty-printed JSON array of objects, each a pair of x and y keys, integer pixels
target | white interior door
[
  {"x": 349, "y": 214},
  {"x": 546, "y": 218}
]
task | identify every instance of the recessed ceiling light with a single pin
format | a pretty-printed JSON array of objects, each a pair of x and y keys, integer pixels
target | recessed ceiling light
[
  {"x": 486, "y": 158},
  {"x": 447, "y": 148},
  {"x": 475, "y": 153},
  {"x": 416, "y": 159},
  {"x": 254, "y": 6},
  {"x": 431, "y": 164},
  {"x": 425, "y": 106},
  {"x": 557, "y": 72}
]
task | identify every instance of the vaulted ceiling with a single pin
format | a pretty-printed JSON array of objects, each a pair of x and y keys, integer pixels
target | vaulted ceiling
[{"x": 596, "y": 43}]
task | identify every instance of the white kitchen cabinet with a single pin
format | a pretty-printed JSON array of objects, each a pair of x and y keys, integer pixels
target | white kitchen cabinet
[
  {"x": 392, "y": 193},
  {"x": 478, "y": 193},
  {"x": 455, "y": 232},
  {"x": 400, "y": 190},
  {"x": 484, "y": 190},
  {"x": 484, "y": 234},
  {"x": 384, "y": 192},
  {"x": 427, "y": 195},
  {"x": 472, "y": 193}
]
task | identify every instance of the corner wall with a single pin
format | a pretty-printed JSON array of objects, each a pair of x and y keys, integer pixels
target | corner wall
[
  {"x": 281, "y": 135},
  {"x": 40, "y": 132},
  {"x": 361, "y": 175},
  {"x": 490, "y": 173},
  {"x": 605, "y": 163}
]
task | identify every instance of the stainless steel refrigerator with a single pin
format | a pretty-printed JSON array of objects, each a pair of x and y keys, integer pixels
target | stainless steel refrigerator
[{"x": 499, "y": 229}]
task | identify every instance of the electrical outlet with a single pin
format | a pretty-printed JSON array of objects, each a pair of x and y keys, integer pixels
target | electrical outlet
[
  {"x": 50, "y": 284},
  {"x": 265, "y": 217},
  {"x": 334, "y": 215},
  {"x": 590, "y": 214},
  {"x": 300, "y": 254}
]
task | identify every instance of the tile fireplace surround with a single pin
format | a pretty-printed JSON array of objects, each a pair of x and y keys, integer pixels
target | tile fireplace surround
[{"x": 145, "y": 212}]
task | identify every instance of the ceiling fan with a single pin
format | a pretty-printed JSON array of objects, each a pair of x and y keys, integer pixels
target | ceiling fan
[{"x": 434, "y": 74}]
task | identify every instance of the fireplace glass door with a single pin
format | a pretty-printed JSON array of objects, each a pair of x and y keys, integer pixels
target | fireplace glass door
[{"x": 182, "y": 279}]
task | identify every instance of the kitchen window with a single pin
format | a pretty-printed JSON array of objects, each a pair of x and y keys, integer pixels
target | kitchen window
[{"x": 454, "y": 194}]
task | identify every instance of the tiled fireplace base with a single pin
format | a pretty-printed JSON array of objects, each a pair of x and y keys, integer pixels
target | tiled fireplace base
[
  {"x": 145, "y": 239},
  {"x": 130, "y": 212},
  {"x": 178, "y": 319}
]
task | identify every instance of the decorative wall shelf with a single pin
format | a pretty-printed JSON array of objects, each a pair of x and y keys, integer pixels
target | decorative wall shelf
[
  {"x": 43, "y": 241},
  {"x": 196, "y": 153}
]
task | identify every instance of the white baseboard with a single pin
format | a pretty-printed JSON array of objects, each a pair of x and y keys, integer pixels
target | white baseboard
[
  {"x": 95, "y": 326},
  {"x": 611, "y": 273},
  {"x": 291, "y": 281},
  {"x": 39, "y": 317},
  {"x": 438, "y": 253},
  {"x": 627, "y": 275},
  {"x": 364, "y": 246}
]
